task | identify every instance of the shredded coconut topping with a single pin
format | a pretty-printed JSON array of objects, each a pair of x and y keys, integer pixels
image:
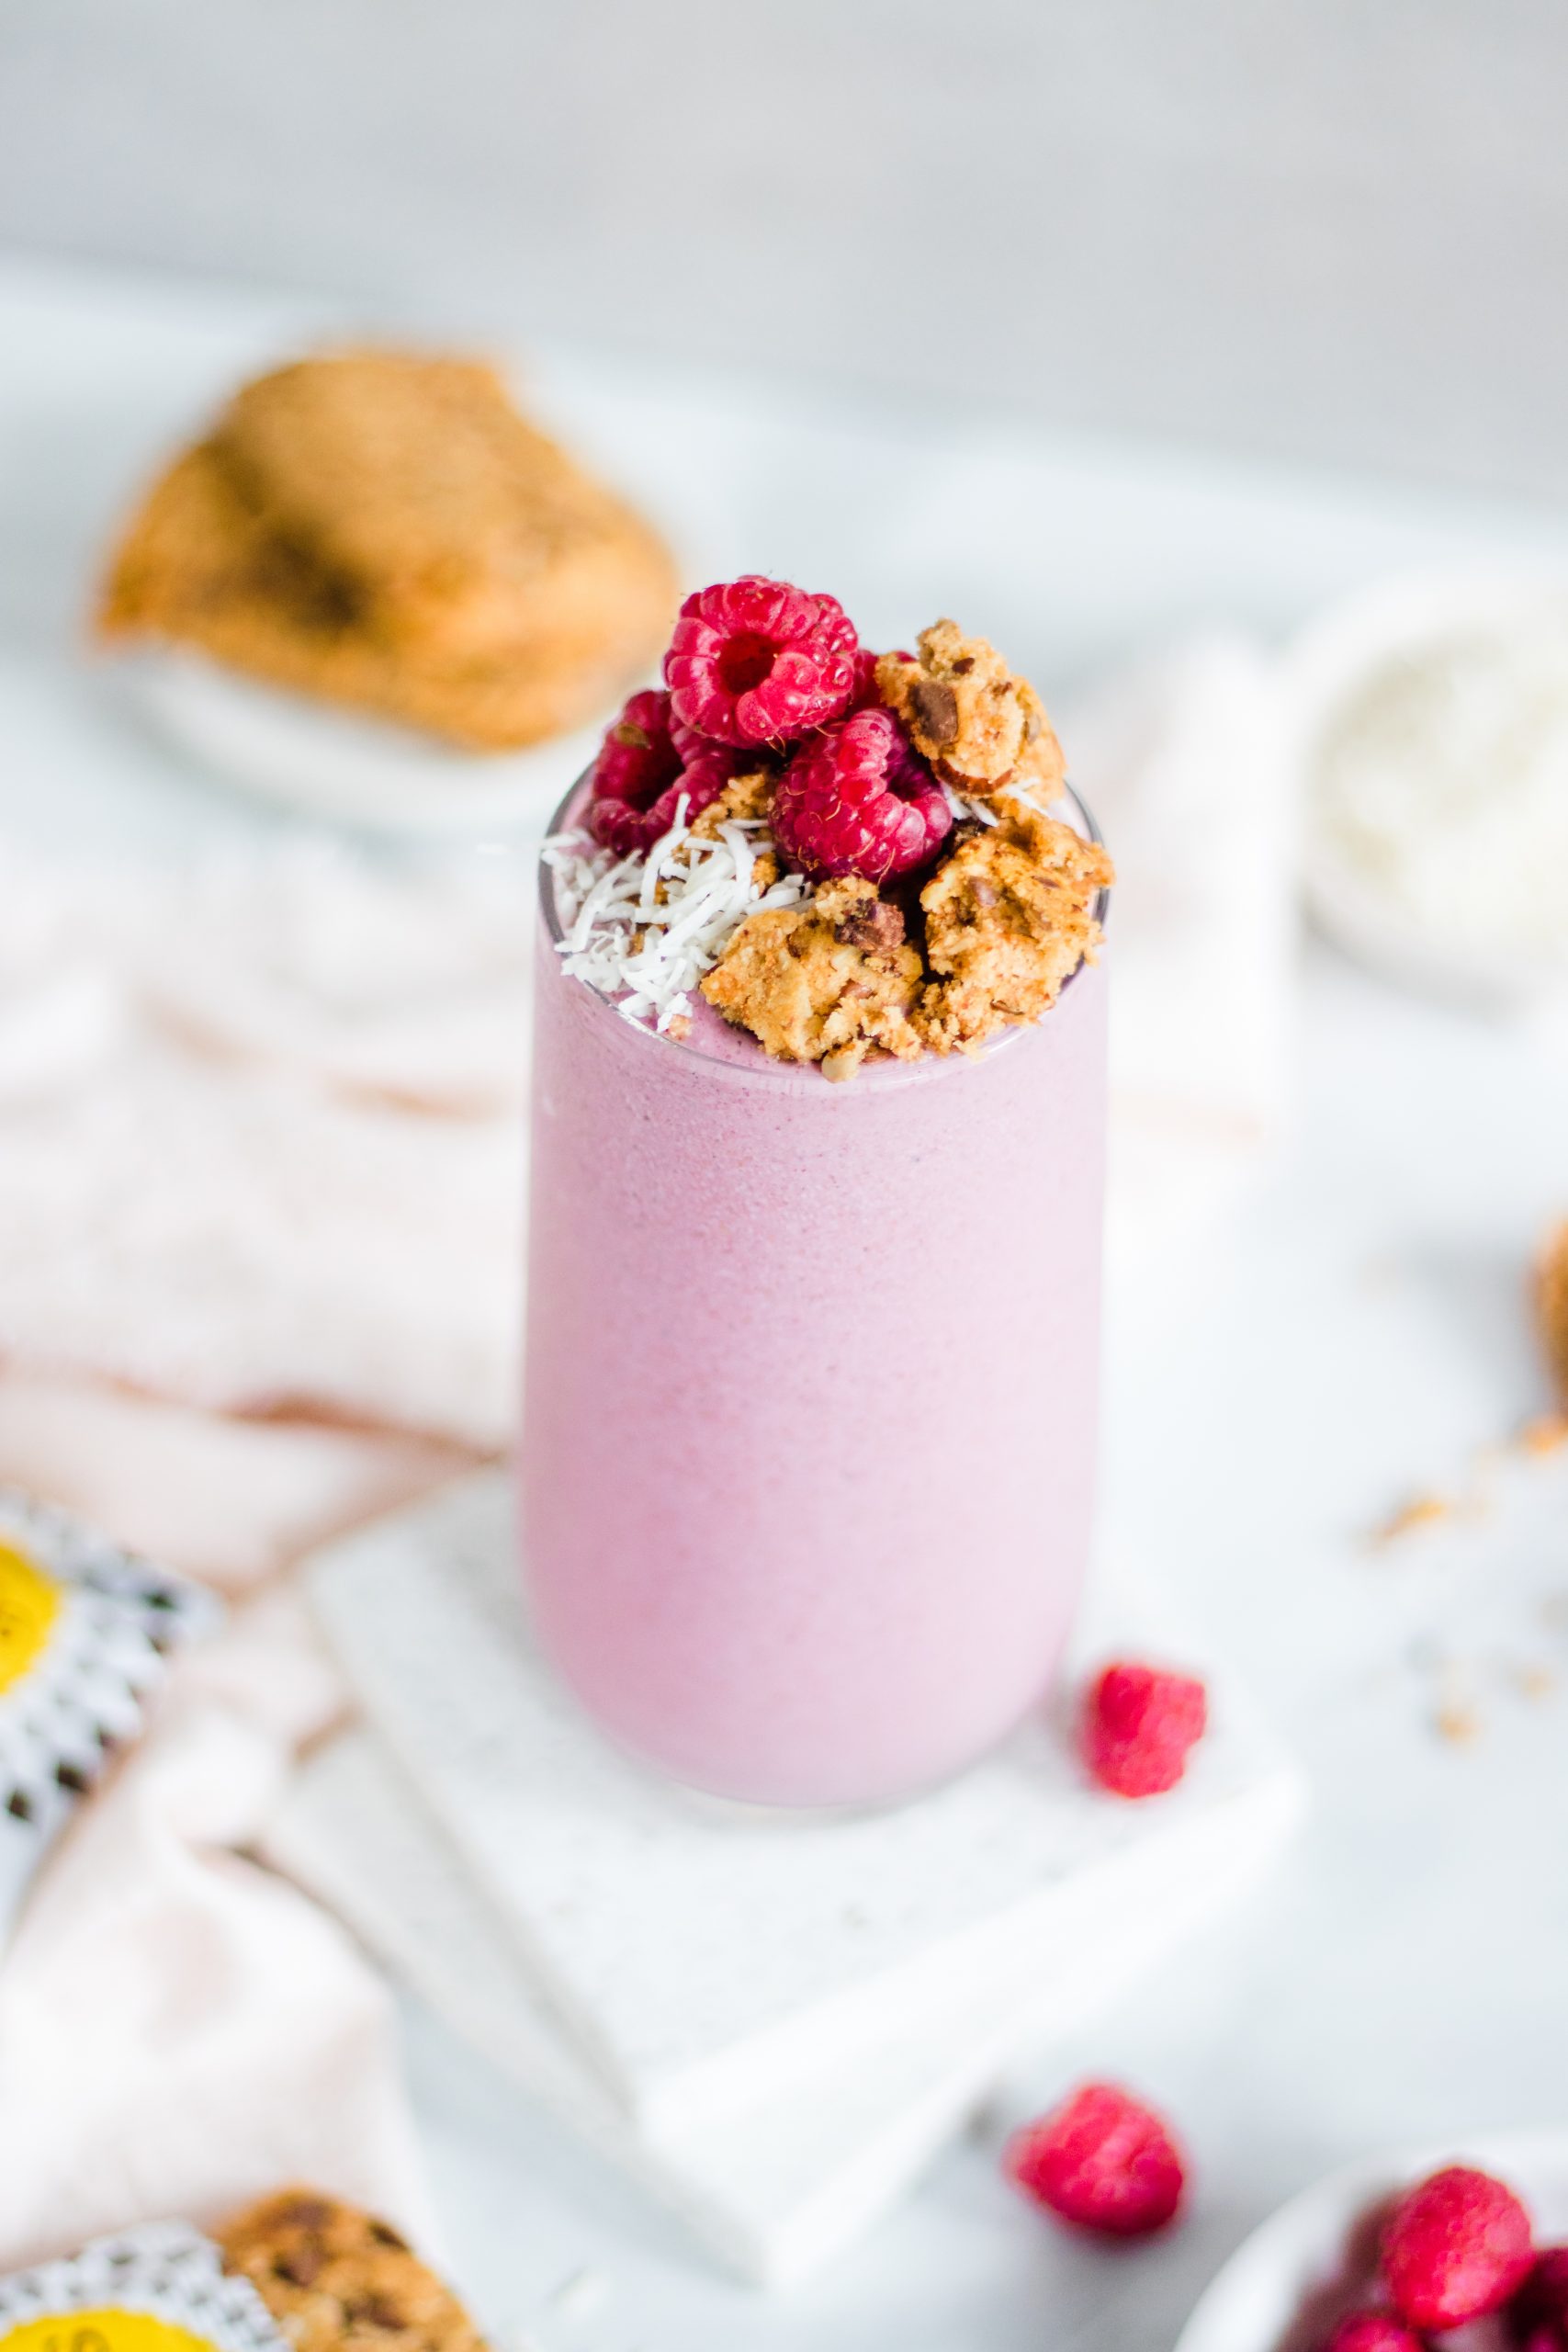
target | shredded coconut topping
[
  {"x": 645, "y": 929},
  {"x": 965, "y": 811}
]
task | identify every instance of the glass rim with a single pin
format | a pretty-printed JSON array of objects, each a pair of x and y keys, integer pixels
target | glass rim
[{"x": 771, "y": 1066}]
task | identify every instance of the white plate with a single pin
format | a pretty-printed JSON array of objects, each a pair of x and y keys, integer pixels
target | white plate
[
  {"x": 1330, "y": 663},
  {"x": 1298, "y": 2254},
  {"x": 302, "y": 755}
]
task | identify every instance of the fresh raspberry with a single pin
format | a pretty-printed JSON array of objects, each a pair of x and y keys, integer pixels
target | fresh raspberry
[
  {"x": 706, "y": 766},
  {"x": 1455, "y": 2248},
  {"x": 1103, "y": 2162},
  {"x": 641, "y": 773},
  {"x": 858, "y": 799},
  {"x": 1372, "y": 2332},
  {"x": 863, "y": 695},
  {"x": 755, "y": 660},
  {"x": 1538, "y": 2316},
  {"x": 1139, "y": 1722}
]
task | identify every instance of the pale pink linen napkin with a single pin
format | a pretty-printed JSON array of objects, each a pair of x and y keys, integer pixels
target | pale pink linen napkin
[
  {"x": 260, "y": 1127},
  {"x": 1183, "y": 760},
  {"x": 261, "y": 1133},
  {"x": 231, "y": 1501},
  {"x": 179, "y": 2030}
]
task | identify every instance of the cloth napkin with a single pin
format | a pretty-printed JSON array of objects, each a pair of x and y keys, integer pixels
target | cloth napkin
[
  {"x": 260, "y": 1176},
  {"x": 180, "y": 2031},
  {"x": 1184, "y": 762},
  {"x": 259, "y": 1135}
]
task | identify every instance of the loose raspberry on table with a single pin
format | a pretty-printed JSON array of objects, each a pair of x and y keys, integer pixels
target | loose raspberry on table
[
  {"x": 1103, "y": 2161},
  {"x": 1139, "y": 1724},
  {"x": 858, "y": 799},
  {"x": 1457, "y": 2248},
  {"x": 1538, "y": 2315},
  {"x": 1372, "y": 2330},
  {"x": 757, "y": 660},
  {"x": 642, "y": 771}
]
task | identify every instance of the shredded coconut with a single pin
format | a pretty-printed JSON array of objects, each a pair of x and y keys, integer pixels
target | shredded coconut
[
  {"x": 644, "y": 930},
  {"x": 986, "y": 812}
]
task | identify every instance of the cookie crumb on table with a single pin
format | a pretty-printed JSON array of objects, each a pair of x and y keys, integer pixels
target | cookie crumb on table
[
  {"x": 1421, "y": 1511},
  {"x": 1534, "y": 1682}
]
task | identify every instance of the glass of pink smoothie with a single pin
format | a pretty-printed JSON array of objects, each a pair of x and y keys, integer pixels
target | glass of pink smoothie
[{"x": 811, "y": 1389}]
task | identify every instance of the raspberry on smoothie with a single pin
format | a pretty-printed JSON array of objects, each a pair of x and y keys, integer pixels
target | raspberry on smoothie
[
  {"x": 857, "y": 799},
  {"x": 855, "y": 768},
  {"x": 756, "y": 661}
]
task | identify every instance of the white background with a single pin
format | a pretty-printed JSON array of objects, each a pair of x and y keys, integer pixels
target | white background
[
  {"x": 1315, "y": 227},
  {"x": 1358, "y": 1333}
]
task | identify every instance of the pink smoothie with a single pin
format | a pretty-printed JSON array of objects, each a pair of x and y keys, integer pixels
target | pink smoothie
[{"x": 810, "y": 1416}]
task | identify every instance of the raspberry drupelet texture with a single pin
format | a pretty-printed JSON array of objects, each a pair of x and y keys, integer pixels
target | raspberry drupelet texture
[
  {"x": 1372, "y": 2330},
  {"x": 702, "y": 759},
  {"x": 867, "y": 694},
  {"x": 857, "y": 800},
  {"x": 755, "y": 661},
  {"x": 644, "y": 766},
  {"x": 1457, "y": 2248},
  {"x": 1538, "y": 2315},
  {"x": 1140, "y": 1724},
  {"x": 1103, "y": 2161}
]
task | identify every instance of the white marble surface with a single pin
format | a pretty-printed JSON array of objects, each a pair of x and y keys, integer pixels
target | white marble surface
[
  {"x": 786, "y": 2015},
  {"x": 1359, "y": 1333},
  {"x": 709, "y": 1961}
]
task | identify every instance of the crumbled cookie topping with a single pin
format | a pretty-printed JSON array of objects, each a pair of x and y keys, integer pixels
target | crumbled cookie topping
[
  {"x": 1553, "y": 1304},
  {"x": 747, "y": 801},
  {"x": 825, "y": 971},
  {"x": 979, "y": 726},
  {"x": 824, "y": 981},
  {"x": 1010, "y": 917}
]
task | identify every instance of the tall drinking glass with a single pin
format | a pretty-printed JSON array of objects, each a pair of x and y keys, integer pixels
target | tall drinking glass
[{"x": 811, "y": 1389}]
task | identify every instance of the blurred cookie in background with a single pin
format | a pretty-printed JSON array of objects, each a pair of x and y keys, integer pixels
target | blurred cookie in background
[{"x": 384, "y": 532}]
